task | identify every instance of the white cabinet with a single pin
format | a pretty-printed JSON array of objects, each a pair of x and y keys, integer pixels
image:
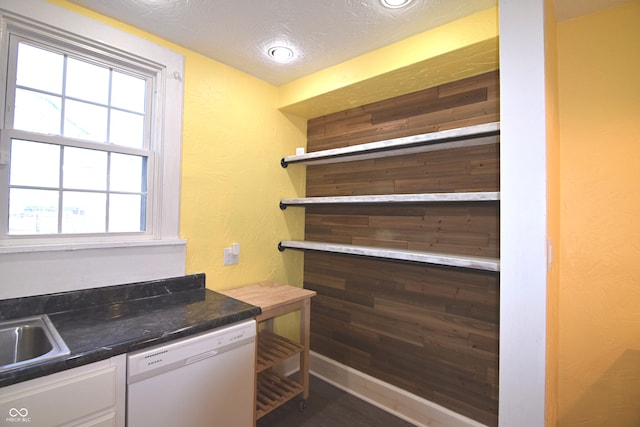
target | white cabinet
[{"x": 90, "y": 395}]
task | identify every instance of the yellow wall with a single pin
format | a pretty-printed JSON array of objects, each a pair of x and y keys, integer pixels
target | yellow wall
[
  {"x": 233, "y": 139},
  {"x": 599, "y": 69}
]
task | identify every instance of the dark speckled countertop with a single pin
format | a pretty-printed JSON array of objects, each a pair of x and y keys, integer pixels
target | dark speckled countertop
[{"x": 101, "y": 323}]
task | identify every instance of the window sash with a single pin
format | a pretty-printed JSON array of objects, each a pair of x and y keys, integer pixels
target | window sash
[{"x": 109, "y": 191}]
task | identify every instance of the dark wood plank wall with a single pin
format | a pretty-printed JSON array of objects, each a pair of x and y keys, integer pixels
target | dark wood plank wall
[
  {"x": 462, "y": 169},
  {"x": 465, "y": 229},
  {"x": 430, "y": 330}
]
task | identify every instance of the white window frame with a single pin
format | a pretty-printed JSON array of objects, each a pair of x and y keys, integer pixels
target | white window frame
[
  {"x": 56, "y": 263},
  {"x": 148, "y": 150}
]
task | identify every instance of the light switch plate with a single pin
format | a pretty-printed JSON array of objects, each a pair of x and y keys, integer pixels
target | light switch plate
[{"x": 229, "y": 257}]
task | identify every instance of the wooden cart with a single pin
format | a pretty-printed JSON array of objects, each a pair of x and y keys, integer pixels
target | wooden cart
[{"x": 275, "y": 299}]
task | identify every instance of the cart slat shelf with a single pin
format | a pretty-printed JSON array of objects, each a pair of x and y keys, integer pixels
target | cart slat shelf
[
  {"x": 274, "y": 390},
  {"x": 273, "y": 348}
]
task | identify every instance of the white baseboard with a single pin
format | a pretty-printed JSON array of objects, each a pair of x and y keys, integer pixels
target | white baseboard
[{"x": 387, "y": 397}]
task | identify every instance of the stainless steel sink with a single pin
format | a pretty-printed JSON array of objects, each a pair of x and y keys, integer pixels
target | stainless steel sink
[{"x": 28, "y": 341}]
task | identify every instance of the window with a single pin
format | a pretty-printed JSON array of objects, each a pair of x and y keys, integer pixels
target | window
[
  {"x": 90, "y": 153},
  {"x": 79, "y": 153},
  {"x": 82, "y": 150}
]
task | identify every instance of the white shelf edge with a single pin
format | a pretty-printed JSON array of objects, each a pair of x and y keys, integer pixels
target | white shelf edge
[
  {"x": 484, "y": 196},
  {"x": 462, "y": 261},
  {"x": 447, "y": 139}
]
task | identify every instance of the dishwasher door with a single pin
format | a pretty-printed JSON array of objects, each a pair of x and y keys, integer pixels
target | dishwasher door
[{"x": 206, "y": 380}]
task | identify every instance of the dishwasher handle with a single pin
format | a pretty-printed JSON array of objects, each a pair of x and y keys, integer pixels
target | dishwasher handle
[{"x": 202, "y": 356}]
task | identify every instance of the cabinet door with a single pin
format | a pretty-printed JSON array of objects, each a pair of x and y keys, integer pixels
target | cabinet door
[
  {"x": 73, "y": 397},
  {"x": 107, "y": 420}
]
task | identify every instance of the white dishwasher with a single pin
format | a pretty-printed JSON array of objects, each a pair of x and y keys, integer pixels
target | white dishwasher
[{"x": 205, "y": 380}]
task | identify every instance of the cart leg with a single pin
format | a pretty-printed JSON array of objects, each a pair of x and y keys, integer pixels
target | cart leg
[{"x": 305, "y": 331}]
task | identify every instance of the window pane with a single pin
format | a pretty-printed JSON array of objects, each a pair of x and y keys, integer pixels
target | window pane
[
  {"x": 125, "y": 213},
  {"x": 127, "y": 173},
  {"x": 85, "y": 121},
  {"x": 34, "y": 164},
  {"x": 87, "y": 81},
  {"x": 83, "y": 212},
  {"x": 37, "y": 112},
  {"x": 33, "y": 211},
  {"x": 84, "y": 169},
  {"x": 39, "y": 69},
  {"x": 128, "y": 92},
  {"x": 127, "y": 129}
]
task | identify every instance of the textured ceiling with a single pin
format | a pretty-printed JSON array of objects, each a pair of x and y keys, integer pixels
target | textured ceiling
[{"x": 322, "y": 32}]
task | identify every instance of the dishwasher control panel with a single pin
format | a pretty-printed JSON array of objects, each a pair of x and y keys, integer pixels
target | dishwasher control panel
[{"x": 174, "y": 354}]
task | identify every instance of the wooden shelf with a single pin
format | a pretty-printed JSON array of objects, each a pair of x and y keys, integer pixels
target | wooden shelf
[
  {"x": 469, "y": 136},
  {"x": 462, "y": 261},
  {"x": 485, "y": 196},
  {"x": 273, "y": 348},
  {"x": 273, "y": 390}
]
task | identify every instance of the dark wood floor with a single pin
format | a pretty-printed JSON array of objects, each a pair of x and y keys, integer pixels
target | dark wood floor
[{"x": 328, "y": 406}]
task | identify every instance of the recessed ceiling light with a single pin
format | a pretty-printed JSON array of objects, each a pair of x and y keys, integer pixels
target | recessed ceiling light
[
  {"x": 280, "y": 53},
  {"x": 395, "y": 4}
]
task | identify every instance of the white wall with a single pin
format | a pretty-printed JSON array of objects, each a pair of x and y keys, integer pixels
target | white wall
[{"x": 523, "y": 246}]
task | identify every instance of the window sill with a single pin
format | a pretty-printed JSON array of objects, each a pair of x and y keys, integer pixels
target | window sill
[{"x": 52, "y": 247}]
